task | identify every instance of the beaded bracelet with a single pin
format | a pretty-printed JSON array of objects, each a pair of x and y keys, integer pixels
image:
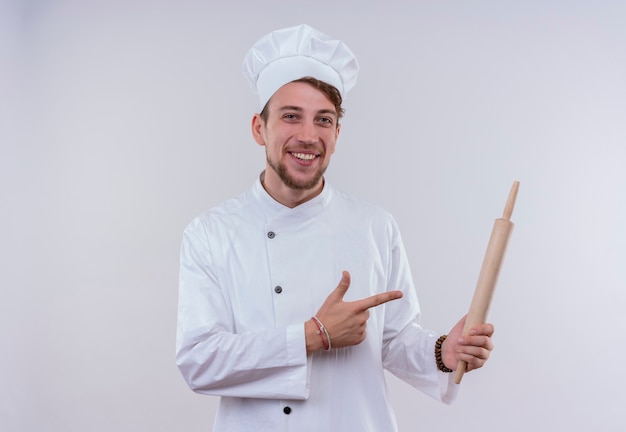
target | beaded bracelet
[
  {"x": 440, "y": 365},
  {"x": 321, "y": 330}
]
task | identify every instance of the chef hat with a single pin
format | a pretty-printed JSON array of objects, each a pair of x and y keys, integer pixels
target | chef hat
[{"x": 292, "y": 53}]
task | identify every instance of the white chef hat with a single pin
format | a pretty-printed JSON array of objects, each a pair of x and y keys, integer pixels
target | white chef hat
[{"x": 292, "y": 53}]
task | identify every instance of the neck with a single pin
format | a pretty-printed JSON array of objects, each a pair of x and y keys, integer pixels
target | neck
[{"x": 287, "y": 196}]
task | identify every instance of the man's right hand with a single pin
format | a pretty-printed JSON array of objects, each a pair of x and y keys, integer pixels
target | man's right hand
[{"x": 344, "y": 321}]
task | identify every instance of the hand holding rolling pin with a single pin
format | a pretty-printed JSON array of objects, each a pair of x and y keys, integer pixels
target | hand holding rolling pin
[{"x": 469, "y": 344}]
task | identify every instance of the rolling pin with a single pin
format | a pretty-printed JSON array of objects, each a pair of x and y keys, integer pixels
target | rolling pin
[{"x": 488, "y": 276}]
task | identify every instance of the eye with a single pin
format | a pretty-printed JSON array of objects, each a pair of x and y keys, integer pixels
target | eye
[
  {"x": 290, "y": 116},
  {"x": 326, "y": 121}
]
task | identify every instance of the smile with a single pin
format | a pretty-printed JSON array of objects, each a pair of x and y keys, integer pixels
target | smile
[{"x": 304, "y": 156}]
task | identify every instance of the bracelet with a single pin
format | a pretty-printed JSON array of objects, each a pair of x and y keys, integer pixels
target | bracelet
[
  {"x": 321, "y": 330},
  {"x": 440, "y": 365}
]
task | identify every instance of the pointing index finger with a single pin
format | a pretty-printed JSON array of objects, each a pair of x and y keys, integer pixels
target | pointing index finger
[{"x": 378, "y": 299}]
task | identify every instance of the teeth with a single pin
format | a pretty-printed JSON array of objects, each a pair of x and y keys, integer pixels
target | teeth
[{"x": 304, "y": 156}]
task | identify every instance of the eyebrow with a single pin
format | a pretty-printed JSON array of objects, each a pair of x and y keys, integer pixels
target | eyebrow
[{"x": 299, "y": 109}]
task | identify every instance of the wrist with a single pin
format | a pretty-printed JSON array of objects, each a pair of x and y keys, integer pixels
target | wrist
[
  {"x": 438, "y": 356},
  {"x": 313, "y": 340},
  {"x": 322, "y": 332}
]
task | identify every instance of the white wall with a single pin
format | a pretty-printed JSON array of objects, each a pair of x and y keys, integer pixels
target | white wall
[{"x": 121, "y": 120}]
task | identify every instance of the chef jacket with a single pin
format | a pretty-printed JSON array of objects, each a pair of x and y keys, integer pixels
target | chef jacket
[{"x": 253, "y": 271}]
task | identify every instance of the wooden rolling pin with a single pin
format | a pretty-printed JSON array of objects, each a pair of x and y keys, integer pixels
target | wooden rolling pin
[{"x": 485, "y": 287}]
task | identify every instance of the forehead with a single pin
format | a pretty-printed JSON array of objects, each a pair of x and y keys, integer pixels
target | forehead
[{"x": 301, "y": 95}]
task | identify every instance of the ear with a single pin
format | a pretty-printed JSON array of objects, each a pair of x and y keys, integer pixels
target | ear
[
  {"x": 258, "y": 129},
  {"x": 338, "y": 130}
]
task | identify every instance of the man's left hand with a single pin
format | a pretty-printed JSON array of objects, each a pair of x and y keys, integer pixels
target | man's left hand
[{"x": 473, "y": 348}]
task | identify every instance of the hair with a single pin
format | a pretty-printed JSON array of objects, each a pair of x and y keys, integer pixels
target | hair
[{"x": 330, "y": 91}]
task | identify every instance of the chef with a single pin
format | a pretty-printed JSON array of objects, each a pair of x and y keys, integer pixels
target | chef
[{"x": 295, "y": 296}]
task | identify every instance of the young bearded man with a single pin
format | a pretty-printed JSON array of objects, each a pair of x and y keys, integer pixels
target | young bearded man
[{"x": 262, "y": 321}]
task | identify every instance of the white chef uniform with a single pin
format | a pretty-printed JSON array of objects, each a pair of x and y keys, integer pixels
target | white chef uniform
[{"x": 253, "y": 271}]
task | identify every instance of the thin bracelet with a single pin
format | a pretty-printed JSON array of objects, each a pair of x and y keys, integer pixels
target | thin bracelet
[
  {"x": 440, "y": 365},
  {"x": 321, "y": 330}
]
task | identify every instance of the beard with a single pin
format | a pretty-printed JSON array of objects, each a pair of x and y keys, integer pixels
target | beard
[{"x": 281, "y": 170}]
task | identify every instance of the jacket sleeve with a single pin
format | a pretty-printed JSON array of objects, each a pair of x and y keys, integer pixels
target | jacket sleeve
[
  {"x": 213, "y": 358},
  {"x": 408, "y": 348}
]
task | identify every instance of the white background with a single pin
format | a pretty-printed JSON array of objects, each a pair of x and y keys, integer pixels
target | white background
[{"x": 121, "y": 120}]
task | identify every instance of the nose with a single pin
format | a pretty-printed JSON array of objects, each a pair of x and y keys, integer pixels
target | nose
[{"x": 307, "y": 133}]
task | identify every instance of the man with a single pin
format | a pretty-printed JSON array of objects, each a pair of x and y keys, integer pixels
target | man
[{"x": 262, "y": 321}]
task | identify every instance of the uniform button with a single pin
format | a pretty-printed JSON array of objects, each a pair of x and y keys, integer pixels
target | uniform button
[
  {"x": 278, "y": 289},
  {"x": 287, "y": 410},
  {"x": 271, "y": 234}
]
